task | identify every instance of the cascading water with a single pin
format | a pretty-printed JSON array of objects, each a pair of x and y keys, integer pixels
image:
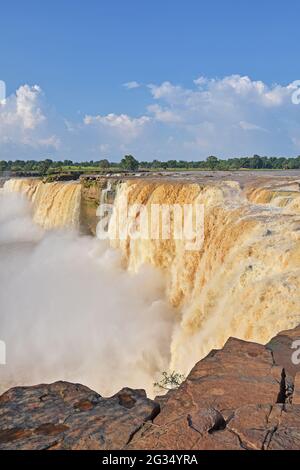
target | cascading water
[
  {"x": 106, "y": 193},
  {"x": 243, "y": 282},
  {"x": 55, "y": 205}
]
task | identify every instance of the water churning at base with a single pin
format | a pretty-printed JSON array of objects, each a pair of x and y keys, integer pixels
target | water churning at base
[{"x": 244, "y": 282}]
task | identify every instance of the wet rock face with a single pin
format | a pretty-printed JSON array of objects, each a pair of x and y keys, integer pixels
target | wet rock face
[
  {"x": 244, "y": 396},
  {"x": 91, "y": 190},
  {"x": 90, "y": 199}
]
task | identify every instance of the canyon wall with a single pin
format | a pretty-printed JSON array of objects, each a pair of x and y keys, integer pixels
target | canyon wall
[{"x": 243, "y": 282}]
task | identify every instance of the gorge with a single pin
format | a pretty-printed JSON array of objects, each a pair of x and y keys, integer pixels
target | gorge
[{"x": 117, "y": 313}]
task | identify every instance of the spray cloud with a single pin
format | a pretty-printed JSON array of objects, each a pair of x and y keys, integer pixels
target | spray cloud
[{"x": 68, "y": 310}]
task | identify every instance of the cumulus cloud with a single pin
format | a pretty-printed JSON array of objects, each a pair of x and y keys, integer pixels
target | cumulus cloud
[
  {"x": 27, "y": 107},
  {"x": 21, "y": 112},
  {"x": 131, "y": 85},
  {"x": 163, "y": 114},
  {"x": 173, "y": 94},
  {"x": 23, "y": 121},
  {"x": 229, "y": 116},
  {"x": 216, "y": 116},
  {"x": 126, "y": 126}
]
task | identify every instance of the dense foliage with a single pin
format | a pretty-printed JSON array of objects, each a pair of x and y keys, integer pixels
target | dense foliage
[{"x": 129, "y": 163}]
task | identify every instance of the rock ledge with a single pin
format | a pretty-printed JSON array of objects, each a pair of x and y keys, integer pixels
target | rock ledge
[{"x": 244, "y": 396}]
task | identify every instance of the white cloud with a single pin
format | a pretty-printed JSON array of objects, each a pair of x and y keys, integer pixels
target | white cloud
[
  {"x": 52, "y": 141},
  {"x": 27, "y": 106},
  {"x": 2, "y": 92},
  {"x": 21, "y": 112},
  {"x": 200, "y": 81},
  {"x": 163, "y": 114},
  {"x": 229, "y": 116},
  {"x": 131, "y": 85},
  {"x": 168, "y": 92},
  {"x": 213, "y": 116},
  {"x": 23, "y": 122},
  {"x": 249, "y": 126},
  {"x": 123, "y": 124}
]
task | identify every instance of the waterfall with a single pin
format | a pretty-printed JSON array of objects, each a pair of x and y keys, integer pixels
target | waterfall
[
  {"x": 55, "y": 205},
  {"x": 243, "y": 282}
]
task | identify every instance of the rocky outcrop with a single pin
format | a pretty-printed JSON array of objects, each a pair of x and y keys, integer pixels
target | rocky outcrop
[
  {"x": 71, "y": 416},
  {"x": 244, "y": 396},
  {"x": 90, "y": 197},
  {"x": 94, "y": 190}
]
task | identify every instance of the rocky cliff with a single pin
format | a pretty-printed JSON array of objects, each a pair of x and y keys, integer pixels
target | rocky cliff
[{"x": 244, "y": 396}]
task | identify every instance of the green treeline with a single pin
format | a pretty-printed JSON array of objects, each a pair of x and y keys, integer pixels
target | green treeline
[{"x": 129, "y": 163}]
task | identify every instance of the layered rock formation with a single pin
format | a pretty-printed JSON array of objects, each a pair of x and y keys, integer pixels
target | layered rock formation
[
  {"x": 244, "y": 396},
  {"x": 243, "y": 282}
]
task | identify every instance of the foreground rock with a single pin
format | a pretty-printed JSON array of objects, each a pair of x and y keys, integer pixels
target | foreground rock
[
  {"x": 235, "y": 398},
  {"x": 70, "y": 416},
  {"x": 244, "y": 396}
]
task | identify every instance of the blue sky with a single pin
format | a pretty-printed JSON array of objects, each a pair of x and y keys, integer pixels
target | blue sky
[{"x": 69, "y": 61}]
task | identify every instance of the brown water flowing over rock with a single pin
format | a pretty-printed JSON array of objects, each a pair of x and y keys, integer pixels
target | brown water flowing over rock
[
  {"x": 55, "y": 205},
  {"x": 239, "y": 397},
  {"x": 248, "y": 265},
  {"x": 244, "y": 282},
  {"x": 232, "y": 285}
]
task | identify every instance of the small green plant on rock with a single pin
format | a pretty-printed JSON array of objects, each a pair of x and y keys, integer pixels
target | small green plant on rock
[{"x": 170, "y": 380}]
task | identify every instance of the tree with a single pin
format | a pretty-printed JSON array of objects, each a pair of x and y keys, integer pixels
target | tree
[
  {"x": 129, "y": 163},
  {"x": 172, "y": 163},
  {"x": 156, "y": 164},
  {"x": 3, "y": 165},
  {"x": 68, "y": 163},
  {"x": 212, "y": 162},
  {"x": 104, "y": 164},
  {"x": 44, "y": 166},
  {"x": 256, "y": 162}
]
